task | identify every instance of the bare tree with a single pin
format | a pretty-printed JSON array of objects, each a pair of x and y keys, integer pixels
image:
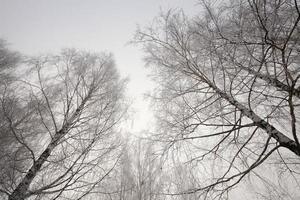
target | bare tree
[
  {"x": 62, "y": 115},
  {"x": 148, "y": 172},
  {"x": 9, "y": 60},
  {"x": 229, "y": 89},
  {"x": 139, "y": 175}
]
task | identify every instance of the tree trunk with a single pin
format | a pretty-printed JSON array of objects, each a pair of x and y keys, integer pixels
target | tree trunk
[
  {"x": 21, "y": 191},
  {"x": 281, "y": 138}
]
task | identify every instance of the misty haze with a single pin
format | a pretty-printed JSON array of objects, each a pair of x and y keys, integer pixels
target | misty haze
[{"x": 149, "y": 100}]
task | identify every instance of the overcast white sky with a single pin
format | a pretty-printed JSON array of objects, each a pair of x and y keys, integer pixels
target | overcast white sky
[{"x": 35, "y": 27}]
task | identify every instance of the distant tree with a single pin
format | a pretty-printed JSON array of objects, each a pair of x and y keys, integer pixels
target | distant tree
[
  {"x": 8, "y": 61},
  {"x": 125, "y": 185},
  {"x": 228, "y": 94},
  {"x": 61, "y": 117},
  {"x": 147, "y": 169},
  {"x": 138, "y": 176}
]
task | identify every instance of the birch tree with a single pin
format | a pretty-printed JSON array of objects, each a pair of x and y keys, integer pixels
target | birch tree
[
  {"x": 62, "y": 114},
  {"x": 228, "y": 93},
  {"x": 9, "y": 60}
]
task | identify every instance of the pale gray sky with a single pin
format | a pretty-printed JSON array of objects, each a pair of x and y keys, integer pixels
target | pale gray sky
[{"x": 45, "y": 26}]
